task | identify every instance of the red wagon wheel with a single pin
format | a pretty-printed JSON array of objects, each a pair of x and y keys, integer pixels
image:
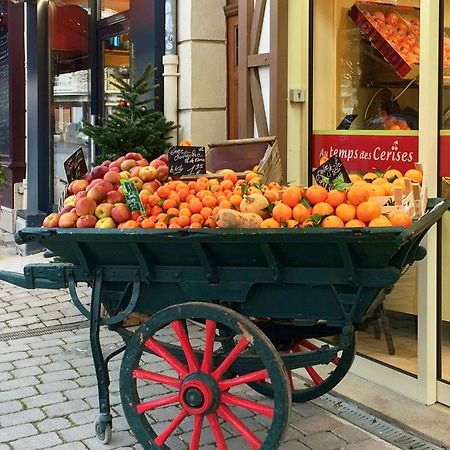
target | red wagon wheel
[
  {"x": 190, "y": 386},
  {"x": 313, "y": 381}
]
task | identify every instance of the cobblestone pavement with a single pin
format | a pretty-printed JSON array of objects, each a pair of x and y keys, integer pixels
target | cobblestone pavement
[{"x": 48, "y": 389}]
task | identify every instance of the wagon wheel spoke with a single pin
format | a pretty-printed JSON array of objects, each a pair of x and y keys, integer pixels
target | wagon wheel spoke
[
  {"x": 153, "y": 404},
  {"x": 233, "y": 420},
  {"x": 217, "y": 431},
  {"x": 180, "y": 330},
  {"x": 230, "y": 359},
  {"x": 162, "y": 438},
  {"x": 153, "y": 345},
  {"x": 260, "y": 375},
  {"x": 156, "y": 377},
  {"x": 315, "y": 377},
  {"x": 210, "y": 334},
  {"x": 236, "y": 400},
  {"x": 291, "y": 380},
  {"x": 196, "y": 433}
]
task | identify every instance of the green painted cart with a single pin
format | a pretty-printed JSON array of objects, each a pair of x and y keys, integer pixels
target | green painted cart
[{"x": 232, "y": 314}]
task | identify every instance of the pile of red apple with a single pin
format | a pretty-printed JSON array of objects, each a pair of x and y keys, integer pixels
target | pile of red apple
[{"x": 98, "y": 200}]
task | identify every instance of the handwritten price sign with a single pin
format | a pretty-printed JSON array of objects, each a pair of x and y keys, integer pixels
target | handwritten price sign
[{"x": 184, "y": 160}]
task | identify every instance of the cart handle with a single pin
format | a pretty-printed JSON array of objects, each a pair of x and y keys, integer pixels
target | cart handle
[{"x": 96, "y": 298}]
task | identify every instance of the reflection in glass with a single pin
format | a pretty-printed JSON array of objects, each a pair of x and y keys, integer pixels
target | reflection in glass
[
  {"x": 111, "y": 7},
  {"x": 69, "y": 105}
]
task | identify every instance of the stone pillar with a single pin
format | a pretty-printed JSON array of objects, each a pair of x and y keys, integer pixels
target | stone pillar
[{"x": 203, "y": 71}]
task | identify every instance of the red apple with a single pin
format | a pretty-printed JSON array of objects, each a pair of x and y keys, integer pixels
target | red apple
[
  {"x": 114, "y": 197},
  {"x": 137, "y": 182},
  {"x": 51, "y": 221},
  {"x": 134, "y": 171},
  {"x": 112, "y": 176},
  {"x": 142, "y": 162},
  {"x": 114, "y": 169},
  {"x": 157, "y": 162},
  {"x": 77, "y": 186},
  {"x": 98, "y": 172},
  {"x": 66, "y": 208},
  {"x": 128, "y": 224},
  {"x": 148, "y": 173},
  {"x": 103, "y": 210},
  {"x": 70, "y": 200},
  {"x": 133, "y": 155},
  {"x": 163, "y": 173},
  {"x": 128, "y": 164},
  {"x": 106, "y": 163},
  {"x": 152, "y": 186},
  {"x": 93, "y": 183},
  {"x": 97, "y": 193},
  {"x": 88, "y": 177},
  {"x": 164, "y": 157},
  {"x": 105, "y": 222},
  {"x": 87, "y": 221},
  {"x": 85, "y": 206},
  {"x": 68, "y": 220},
  {"x": 121, "y": 213},
  {"x": 124, "y": 175},
  {"x": 114, "y": 165}
]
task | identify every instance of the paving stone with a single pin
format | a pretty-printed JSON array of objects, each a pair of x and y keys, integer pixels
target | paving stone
[
  {"x": 18, "y": 383},
  {"x": 56, "y": 386},
  {"x": 16, "y": 394},
  {"x": 62, "y": 409},
  {"x": 61, "y": 375},
  {"x": 311, "y": 425},
  {"x": 56, "y": 424},
  {"x": 77, "y": 433},
  {"x": 72, "y": 446},
  {"x": 15, "y": 356},
  {"x": 119, "y": 440},
  {"x": 38, "y": 401},
  {"x": 324, "y": 440},
  {"x": 26, "y": 371},
  {"x": 56, "y": 366},
  {"x": 28, "y": 361},
  {"x": 10, "y": 407},
  {"x": 369, "y": 444},
  {"x": 43, "y": 343},
  {"x": 37, "y": 442},
  {"x": 350, "y": 433},
  {"x": 11, "y": 433},
  {"x": 82, "y": 417},
  {"x": 21, "y": 417}
]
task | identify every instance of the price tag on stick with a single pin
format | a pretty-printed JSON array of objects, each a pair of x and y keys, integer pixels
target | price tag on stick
[
  {"x": 185, "y": 160},
  {"x": 75, "y": 166},
  {"x": 132, "y": 196},
  {"x": 330, "y": 171}
]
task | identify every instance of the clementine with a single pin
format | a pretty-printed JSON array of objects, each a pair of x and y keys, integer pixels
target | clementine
[
  {"x": 401, "y": 219},
  {"x": 367, "y": 211},
  {"x": 332, "y": 222},
  {"x": 316, "y": 194}
]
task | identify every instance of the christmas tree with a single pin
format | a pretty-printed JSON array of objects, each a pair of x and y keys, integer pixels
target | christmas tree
[{"x": 132, "y": 126}]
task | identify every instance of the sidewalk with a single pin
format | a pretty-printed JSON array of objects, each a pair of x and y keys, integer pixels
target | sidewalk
[{"x": 48, "y": 392}]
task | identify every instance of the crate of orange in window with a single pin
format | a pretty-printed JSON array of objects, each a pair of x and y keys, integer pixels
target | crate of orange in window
[{"x": 393, "y": 31}]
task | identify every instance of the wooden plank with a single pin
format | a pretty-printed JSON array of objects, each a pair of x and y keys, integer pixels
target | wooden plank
[
  {"x": 258, "y": 103},
  {"x": 261, "y": 59},
  {"x": 257, "y": 23},
  {"x": 245, "y": 110}
]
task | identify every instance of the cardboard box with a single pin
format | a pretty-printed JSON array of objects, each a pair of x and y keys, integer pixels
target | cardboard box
[
  {"x": 389, "y": 47},
  {"x": 241, "y": 155}
]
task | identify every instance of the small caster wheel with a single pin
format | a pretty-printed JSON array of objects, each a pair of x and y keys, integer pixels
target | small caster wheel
[{"x": 103, "y": 431}]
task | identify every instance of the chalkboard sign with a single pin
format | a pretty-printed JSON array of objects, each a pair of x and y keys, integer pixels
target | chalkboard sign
[
  {"x": 184, "y": 160},
  {"x": 132, "y": 196},
  {"x": 75, "y": 166},
  {"x": 329, "y": 171}
]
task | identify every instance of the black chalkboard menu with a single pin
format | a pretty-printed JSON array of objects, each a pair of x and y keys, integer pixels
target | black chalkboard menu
[
  {"x": 75, "y": 166},
  {"x": 330, "y": 171},
  {"x": 4, "y": 95},
  {"x": 185, "y": 160}
]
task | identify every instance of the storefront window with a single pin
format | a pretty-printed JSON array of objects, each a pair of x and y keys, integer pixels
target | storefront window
[
  {"x": 365, "y": 110},
  {"x": 111, "y": 7},
  {"x": 444, "y": 172},
  {"x": 69, "y": 106},
  {"x": 4, "y": 80}
]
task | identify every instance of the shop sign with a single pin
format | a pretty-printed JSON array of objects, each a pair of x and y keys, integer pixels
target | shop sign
[
  {"x": 366, "y": 153},
  {"x": 444, "y": 156}
]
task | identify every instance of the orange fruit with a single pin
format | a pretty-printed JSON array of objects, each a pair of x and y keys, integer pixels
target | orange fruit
[
  {"x": 235, "y": 200},
  {"x": 282, "y": 212},
  {"x": 401, "y": 219},
  {"x": 346, "y": 212},
  {"x": 391, "y": 174},
  {"x": 400, "y": 182},
  {"x": 195, "y": 205},
  {"x": 291, "y": 196},
  {"x": 209, "y": 201},
  {"x": 300, "y": 212},
  {"x": 250, "y": 176},
  {"x": 354, "y": 177},
  {"x": 380, "y": 181},
  {"x": 270, "y": 223},
  {"x": 323, "y": 160},
  {"x": 370, "y": 176},
  {"x": 272, "y": 195},
  {"x": 229, "y": 174},
  {"x": 414, "y": 175},
  {"x": 388, "y": 189},
  {"x": 226, "y": 185},
  {"x": 335, "y": 197},
  {"x": 376, "y": 190},
  {"x": 355, "y": 223},
  {"x": 322, "y": 209},
  {"x": 184, "y": 221},
  {"x": 197, "y": 218},
  {"x": 357, "y": 194},
  {"x": 148, "y": 223},
  {"x": 163, "y": 191},
  {"x": 316, "y": 194},
  {"x": 381, "y": 221},
  {"x": 332, "y": 222},
  {"x": 292, "y": 223},
  {"x": 195, "y": 225},
  {"x": 367, "y": 211}
]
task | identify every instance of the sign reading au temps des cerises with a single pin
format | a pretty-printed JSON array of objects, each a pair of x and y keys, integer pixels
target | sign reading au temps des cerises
[{"x": 368, "y": 152}]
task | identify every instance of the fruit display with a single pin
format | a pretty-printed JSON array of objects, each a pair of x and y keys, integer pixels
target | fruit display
[{"x": 224, "y": 200}]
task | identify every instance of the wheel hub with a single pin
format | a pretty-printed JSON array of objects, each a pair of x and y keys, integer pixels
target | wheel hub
[{"x": 199, "y": 394}]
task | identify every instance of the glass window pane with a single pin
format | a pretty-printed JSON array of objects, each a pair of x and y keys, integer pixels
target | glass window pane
[
  {"x": 365, "y": 110},
  {"x": 69, "y": 105},
  {"x": 111, "y": 7},
  {"x": 4, "y": 80}
]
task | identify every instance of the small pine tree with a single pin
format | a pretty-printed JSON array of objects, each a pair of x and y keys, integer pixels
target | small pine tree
[
  {"x": 132, "y": 126},
  {"x": 3, "y": 179}
]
